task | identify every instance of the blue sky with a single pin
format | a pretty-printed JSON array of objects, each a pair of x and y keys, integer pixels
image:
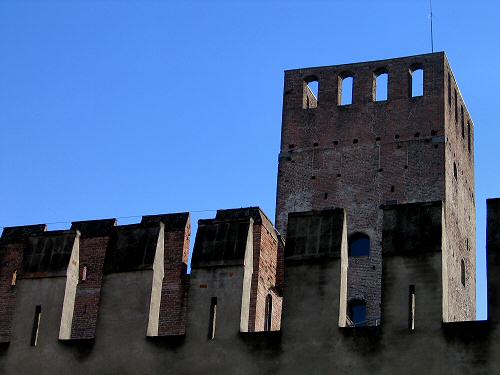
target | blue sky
[{"x": 123, "y": 108}]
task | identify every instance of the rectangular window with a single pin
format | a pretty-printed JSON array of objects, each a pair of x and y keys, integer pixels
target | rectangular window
[
  {"x": 411, "y": 308},
  {"x": 213, "y": 318},
  {"x": 36, "y": 325}
]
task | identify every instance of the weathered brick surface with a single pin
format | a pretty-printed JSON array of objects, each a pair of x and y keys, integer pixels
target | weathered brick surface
[
  {"x": 174, "y": 292},
  {"x": 13, "y": 245},
  {"x": 368, "y": 154},
  {"x": 94, "y": 240}
]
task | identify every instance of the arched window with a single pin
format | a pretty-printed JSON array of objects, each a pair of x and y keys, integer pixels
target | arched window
[
  {"x": 381, "y": 85},
  {"x": 356, "y": 313},
  {"x": 416, "y": 82},
  {"x": 346, "y": 86},
  {"x": 359, "y": 245},
  {"x": 462, "y": 272},
  {"x": 269, "y": 313},
  {"x": 310, "y": 96}
]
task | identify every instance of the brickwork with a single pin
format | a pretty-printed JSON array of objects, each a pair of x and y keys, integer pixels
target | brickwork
[
  {"x": 365, "y": 155},
  {"x": 460, "y": 208},
  {"x": 13, "y": 245},
  {"x": 94, "y": 240},
  {"x": 173, "y": 306},
  {"x": 264, "y": 276}
]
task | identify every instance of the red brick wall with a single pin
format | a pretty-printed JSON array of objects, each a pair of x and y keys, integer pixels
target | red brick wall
[
  {"x": 173, "y": 303},
  {"x": 11, "y": 256},
  {"x": 88, "y": 292},
  {"x": 265, "y": 244}
]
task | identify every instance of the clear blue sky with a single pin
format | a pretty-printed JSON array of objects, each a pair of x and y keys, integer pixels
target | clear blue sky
[{"x": 123, "y": 108}]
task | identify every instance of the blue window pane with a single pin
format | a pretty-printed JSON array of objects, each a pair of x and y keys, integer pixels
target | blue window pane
[
  {"x": 359, "y": 246},
  {"x": 359, "y": 315}
]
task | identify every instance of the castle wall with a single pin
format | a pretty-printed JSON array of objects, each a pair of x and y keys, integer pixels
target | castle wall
[
  {"x": 460, "y": 206},
  {"x": 310, "y": 340}
]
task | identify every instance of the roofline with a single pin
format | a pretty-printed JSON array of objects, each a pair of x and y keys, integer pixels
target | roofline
[{"x": 367, "y": 62}]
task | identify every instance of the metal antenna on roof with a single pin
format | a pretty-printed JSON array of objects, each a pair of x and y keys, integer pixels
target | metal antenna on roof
[{"x": 432, "y": 34}]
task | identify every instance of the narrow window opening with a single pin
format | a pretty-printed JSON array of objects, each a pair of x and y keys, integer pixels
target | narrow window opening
[
  {"x": 455, "y": 172},
  {"x": 36, "y": 325},
  {"x": 269, "y": 313},
  {"x": 84, "y": 273},
  {"x": 359, "y": 245},
  {"x": 311, "y": 92},
  {"x": 213, "y": 318},
  {"x": 462, "y": 272},
  {"x": 325, "y": 196},
  {"x": 463, "y": 121},
  {"x": 13, "y": 281},
  {"x": 411, "y": 308},
  {"x": 456, "y": 106},
  {"x": 417, "y": 82},
  {"x": 346, "y": 90},
  {"x": 449, "y": 89},
  {"x": 381, "y": 83},
  {"x": 468, "y": 137},
  {"x": 356, "y": 313},
  {"x": 392, "y": 188}
]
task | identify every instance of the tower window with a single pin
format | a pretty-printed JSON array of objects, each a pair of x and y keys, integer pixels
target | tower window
[
  {"x": 468, "y": 136},
  {"x": 462, "y": 272},
  {"x": 346, "y": 84},
  {"x": 416, "y": 82},
  {"x": 359, "y": 245},
  {"x": 357, "y": 313},
  {"x": 456, "y": 106},
  {"x": 13, "y": 281},
  {"x": 212, "y": 319},
  {"x": 84, "y": 273},
  {"x": 449, "y": 89},
  {"x": 381, "y": 86},
  {"x": 455, "y": 172},
  {"x": 311, "y": 93},
  {"x": 411, "y": 308},
  {"x": 269, "y": 313},
  {"x": 36, "y": 325},
  {"x": 463, "y": 121}
]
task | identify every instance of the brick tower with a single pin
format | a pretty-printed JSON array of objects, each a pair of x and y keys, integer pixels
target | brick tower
[{"x": 365, "y": 152}]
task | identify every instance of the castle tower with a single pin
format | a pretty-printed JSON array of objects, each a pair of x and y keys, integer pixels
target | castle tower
[{"x": 370, "y": 135}]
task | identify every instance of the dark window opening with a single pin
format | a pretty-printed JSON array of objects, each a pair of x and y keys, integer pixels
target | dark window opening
[
  {"x": 36, "y": 325},
  {"x": 392, "y": 188},
  {"x": 463, "y": 121},
  {"x": 462, "y": 272},
  {"x": 417, "y": 82},
  {"x": 356, "y": 313},
  {"x": 311, "y": 93},
  {"x": 449, "y": 89},
  {"x": 381, "y": 83},
  {"x": 456, "y": 106},
  {"x": 455, "y": 172},
  {"x": 468, "y": 137},
  {"x": 269, "y": 313},
  {"x": 411, "y": 308},
  {"x": 359, "y": 245},
  {"x": 346, "y": 84},
  {"x": 212, "y": 319}
]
